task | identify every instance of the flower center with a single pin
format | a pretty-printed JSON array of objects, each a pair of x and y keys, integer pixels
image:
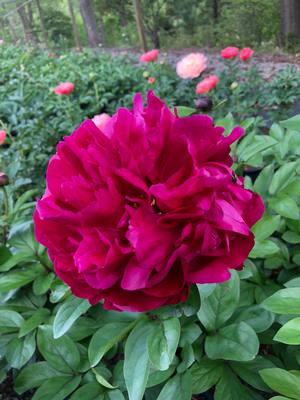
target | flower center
[{"x": 154, "y": 206}]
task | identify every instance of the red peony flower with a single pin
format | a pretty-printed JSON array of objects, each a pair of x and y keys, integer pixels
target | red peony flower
[
  {"x": 207, "y": 84},
  {"x": 138, "y": 212},
  {"x": 151, "y": 80},
  {"x": 149, "y": 56},
  {"x": 191, "y": 66},
  {"x": 64, "y": 88},
  {"x": 2, "y": 137},
  {"x": 246, "y": 53},
  {"x": 101, "y": 120},
  {"x": 229, "y": 52}
]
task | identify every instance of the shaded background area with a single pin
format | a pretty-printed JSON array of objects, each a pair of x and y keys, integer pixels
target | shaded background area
[{"x": 60, "y": 24}]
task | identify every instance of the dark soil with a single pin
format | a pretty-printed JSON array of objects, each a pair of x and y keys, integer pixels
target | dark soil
[{"x": 7, "y": 392}]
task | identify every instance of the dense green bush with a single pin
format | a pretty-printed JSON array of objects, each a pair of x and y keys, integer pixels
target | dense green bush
[
  {"x": 237, "y": 338},
  {"x": 37, "y": 119}
]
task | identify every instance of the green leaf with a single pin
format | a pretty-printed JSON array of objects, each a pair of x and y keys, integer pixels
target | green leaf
[
  {"x": 187, "y": 358},
  {"x": 247, "y": 371},
  {"x": 115, "y": 395},
  {"x": 263, "y": 249},
  {"x": 20, "y": 351},
  {"x": 285, "y": 206},
  {"x": 62, "y": 354},
  {"x": 205, "y": 374},
  {"x": 82, "y": 328},
  {"x": 163, "y": 342},
  {"x": 189, "y": 333},
  {"x": 18, "y": 278},
  {"x": 58, "y": 292},
  {"x": 266, "y": 227},
  {"x": 136, "y": 364},
  {"x": 259, "y": 144},
  {"x": 230, "y": 388},
  {"x": 262, "y": 182},
  {"x": 237, "y": 342},
  {"x": 10, "y": 319},
  {"x": 291, "y": 237},
  {"x": 282, "y": 381},
  {"x": 227, "y": 123},
  {"x": 57, "y": 388},
  {"x": 34, "y": 375},
  {"x": 183, "y": 111},
  {"x": 277, "y": 132},
  {"x": 292, "y": 123},
  {"x": 105, "y": 338},
  {"x": 280, "y": 398},
  {"x": 293, "y": 188},
  {"x": 89, "y": 391},
  {"x": 39, "y": 316},
  {"x": 14, "y": 260},
  {"x": 178, "y": 387},
  {"x": 103, "y": 382},
  {"x": 282, "y": 177},
  {"x": 42, "y": 283},
  {"x": 217, "y": 307},
  {"x": 67, "y": 314},
  {"x": 256, "y": 317},
  {"x": 289, "y": 333},
  {"x": 156, "y": 377},
  {"x": 285, "y": 301},
  {"x": 293, "y": 282},
  {"x": 21, "y": 236}
]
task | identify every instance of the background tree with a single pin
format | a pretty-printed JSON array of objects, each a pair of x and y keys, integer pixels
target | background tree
[
  {"x": 74, "y": 25},
  {"x": 140, "y": 23},
  {"x": 42, "y": 21},
  {"x": 90, "y": 23},
  {"x": 26, "y": 19},
  {"x": 290, "y": 20}
]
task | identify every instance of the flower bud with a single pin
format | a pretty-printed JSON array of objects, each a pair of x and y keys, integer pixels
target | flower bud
[
  {"x": 234, "y": 85},
  {"x": 204, "y": 103},
  {"x": 3, "y": 179},
  {"x": 151, "y": 80},
  {"x": 146, "y": 74}
]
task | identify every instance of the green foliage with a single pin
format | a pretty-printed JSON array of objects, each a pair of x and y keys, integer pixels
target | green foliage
[
  {"x": 36, "y": 118},
  {"x": 233, "y": 338}
]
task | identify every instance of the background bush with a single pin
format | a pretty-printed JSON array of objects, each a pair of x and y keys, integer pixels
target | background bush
[{"x": 37, "y": 118}]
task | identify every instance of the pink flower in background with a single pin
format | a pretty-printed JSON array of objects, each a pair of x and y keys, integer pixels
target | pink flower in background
[
  {"x": 149, "y": 56},
  {"x": 229, "y": 52},
  {"x": 101, "y": 120},
  {"x": 138, "y": 212},
  {"x": 207, "y": 84},
  {"x": 246, "y": 53},
  {"x": 64, "y": 88},
  {"x": 1, "y": 41},
  {"x": 2, "y": 137},
  {"x": 191, "y": 66},
  {"x": 151, "y": 80}
]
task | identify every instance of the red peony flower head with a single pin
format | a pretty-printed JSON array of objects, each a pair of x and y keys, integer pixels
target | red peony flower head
[
  {"x": 64, "y": 88},
  {"x": 151, "y": 80},
  {"x": 2, "y": 137},
  {"x": 229, "y": 52},
  {"x": 246, "y": 53},
  {"x": 150, "y": 56},
  {"x": 207, "y": 84},
  {"x": 137, "y": 212}
]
